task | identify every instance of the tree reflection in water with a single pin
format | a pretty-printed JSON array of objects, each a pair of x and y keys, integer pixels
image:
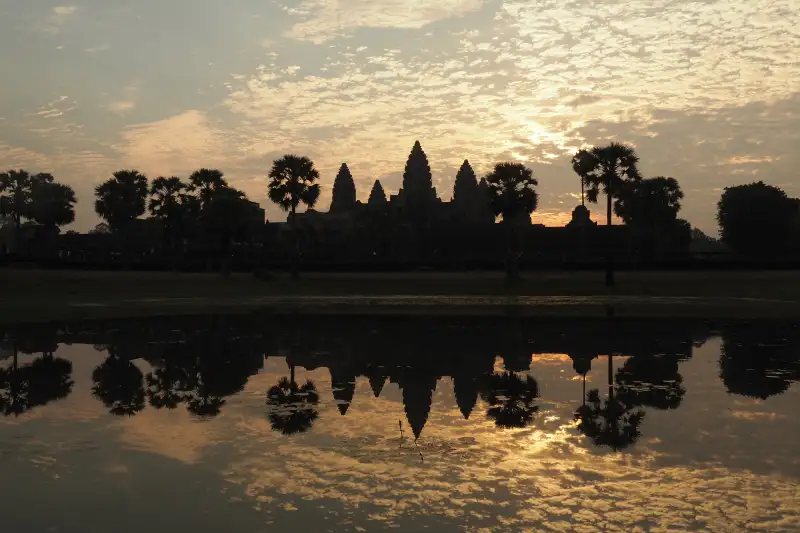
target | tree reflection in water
[
  {"x": 292, "y": 408},
  {"x": 511, "y": 400},
  {"x": 46, "y": 379},
  {"x": 199, "y": 363},
  {"x": 612, "y": 422}
]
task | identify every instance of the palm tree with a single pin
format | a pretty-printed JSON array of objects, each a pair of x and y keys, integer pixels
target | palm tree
[
  {"x": 207, "y": 182},
  {"x": 16, "y": 196},
  {"x": 512, "y": 195},
  {"x": 291, "y": 183},
  {"x": 171, "y": 203},
  {"x": 119, "y": 385},
  {"x": 226, "y": 217},
  {"x": 511, "y": 400},
  {"x": 121, "y": 199},
  {"x": 52, "y": 205},
  {"x": 292, "y": 408},
  {"x": 607, "y": 168},
  {"x": 613, "y": 423},
  {"x": 651, "y": 206}
]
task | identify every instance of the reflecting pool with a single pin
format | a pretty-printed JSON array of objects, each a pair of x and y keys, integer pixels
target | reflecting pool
[{"x": 263, "y": 423}]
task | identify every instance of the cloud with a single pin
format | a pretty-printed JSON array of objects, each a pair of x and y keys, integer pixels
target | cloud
[
  {"x": 127, "y": 102},
  {"x": 704, "y": 90},
  {"x": 56, "y": 18},
  {"x": 175, "y": 145},
  {"x": 121, "y": 106},
  {"x": 327, "y": 19},
  {"x": 57, "y": 108}
]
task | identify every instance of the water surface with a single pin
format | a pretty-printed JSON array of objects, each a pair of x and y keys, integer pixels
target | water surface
[{"x": 267, "y": 424}]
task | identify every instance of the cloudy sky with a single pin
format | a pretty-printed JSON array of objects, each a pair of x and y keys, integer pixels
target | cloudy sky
[{"x": 707, "y": 90}]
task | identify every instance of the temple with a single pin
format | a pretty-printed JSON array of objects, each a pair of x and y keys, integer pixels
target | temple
[{"x": 417, "y": 209}]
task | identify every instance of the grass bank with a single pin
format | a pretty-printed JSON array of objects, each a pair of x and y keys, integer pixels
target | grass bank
[{"x": 43, "y": 295}]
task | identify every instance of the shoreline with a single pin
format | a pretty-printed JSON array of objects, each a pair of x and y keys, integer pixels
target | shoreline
[{"x": 640, "y": 307}]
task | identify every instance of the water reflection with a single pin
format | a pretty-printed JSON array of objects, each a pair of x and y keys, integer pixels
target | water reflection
[
  {"x": 46, "y": 379},
  {"x": 199, "y": 363},
  {"x": 544, "y": 425}
]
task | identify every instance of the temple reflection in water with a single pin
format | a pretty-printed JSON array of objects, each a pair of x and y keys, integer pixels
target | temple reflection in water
[{"x": 197, "y": 364}]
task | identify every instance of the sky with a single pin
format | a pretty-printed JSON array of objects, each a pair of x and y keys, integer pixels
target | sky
[{"x": 707, "y": 91}]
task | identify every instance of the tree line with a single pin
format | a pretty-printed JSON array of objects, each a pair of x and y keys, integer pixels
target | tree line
[{"x": 756, "y": 220}]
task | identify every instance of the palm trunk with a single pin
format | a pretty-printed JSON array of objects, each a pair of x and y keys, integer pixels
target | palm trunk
[
  {"x": 609, "y": 264},
  {"x": 296, "y": 238},
  {"x": 512, "y": 269},
  {"x": 291, "y": 374},
  {"x": 583, "y": 195},
  {"x": 17, "y": 234},
  {"x": 583, "y": 397}
]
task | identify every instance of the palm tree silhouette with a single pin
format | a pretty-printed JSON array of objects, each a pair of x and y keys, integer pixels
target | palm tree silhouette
[
  {"x": 171, "y": 203},
  {"x": 511, "y": 400},
  {"x": 118, "y": 383},
  {"x": 512, "y": 194},
  {"x": 292, "y": 408},
  {"x": 207, "y": 183},
  {"x": 291, "y": 182},
  {"x": 607, "y": 168},
  {"x": 611, "y": 423},
  {"x": 121, "y": 199},
  {"x": 44, "y": 380},
  {"x": 168, "y": 385}
]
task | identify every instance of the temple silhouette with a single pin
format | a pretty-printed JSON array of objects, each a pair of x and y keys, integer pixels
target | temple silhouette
[{"x": 416, "y": 225}]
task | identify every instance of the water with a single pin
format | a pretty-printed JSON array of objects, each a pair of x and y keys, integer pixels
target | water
[{"x": 193, "y": 424}]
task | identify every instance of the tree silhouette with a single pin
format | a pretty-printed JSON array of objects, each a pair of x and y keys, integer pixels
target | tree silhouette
[
  {"x": 220, "y": 368},
  {"x": 51, "y": 380},
  {"x": 291, "y": 183},
  {"x": 512, "y": 193},
  {"x": 611, "y": 423},
  {"x": 344, "y": 191},
  {"x": 52, "y": 205},
  {"x": 651, "y": 381},
  {"x": 227, "y": 216},
  {"x": 292, "y": 408},
  {"x": 651, "y": 207},
  {"x": 169, "y": 384},
  {"x": 16, "y": 196},
  {"x": 119, "y": 385},
  {"x": 207, "y": 183},
  {"x": 757, "y": 363},
  {"x": 46, "y": 379},
  {"x": 756, "y": 219},
  {"x": 607, "y": 168},
  {"x": 100, "y": 229},
  {"x": 171, "y": 203},
  {"x": 511, "y": 400},
  {"x": 121, "y": 199}
]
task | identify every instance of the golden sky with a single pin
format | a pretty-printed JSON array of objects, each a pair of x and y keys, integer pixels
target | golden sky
[{"x": 708, "y": 92}]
